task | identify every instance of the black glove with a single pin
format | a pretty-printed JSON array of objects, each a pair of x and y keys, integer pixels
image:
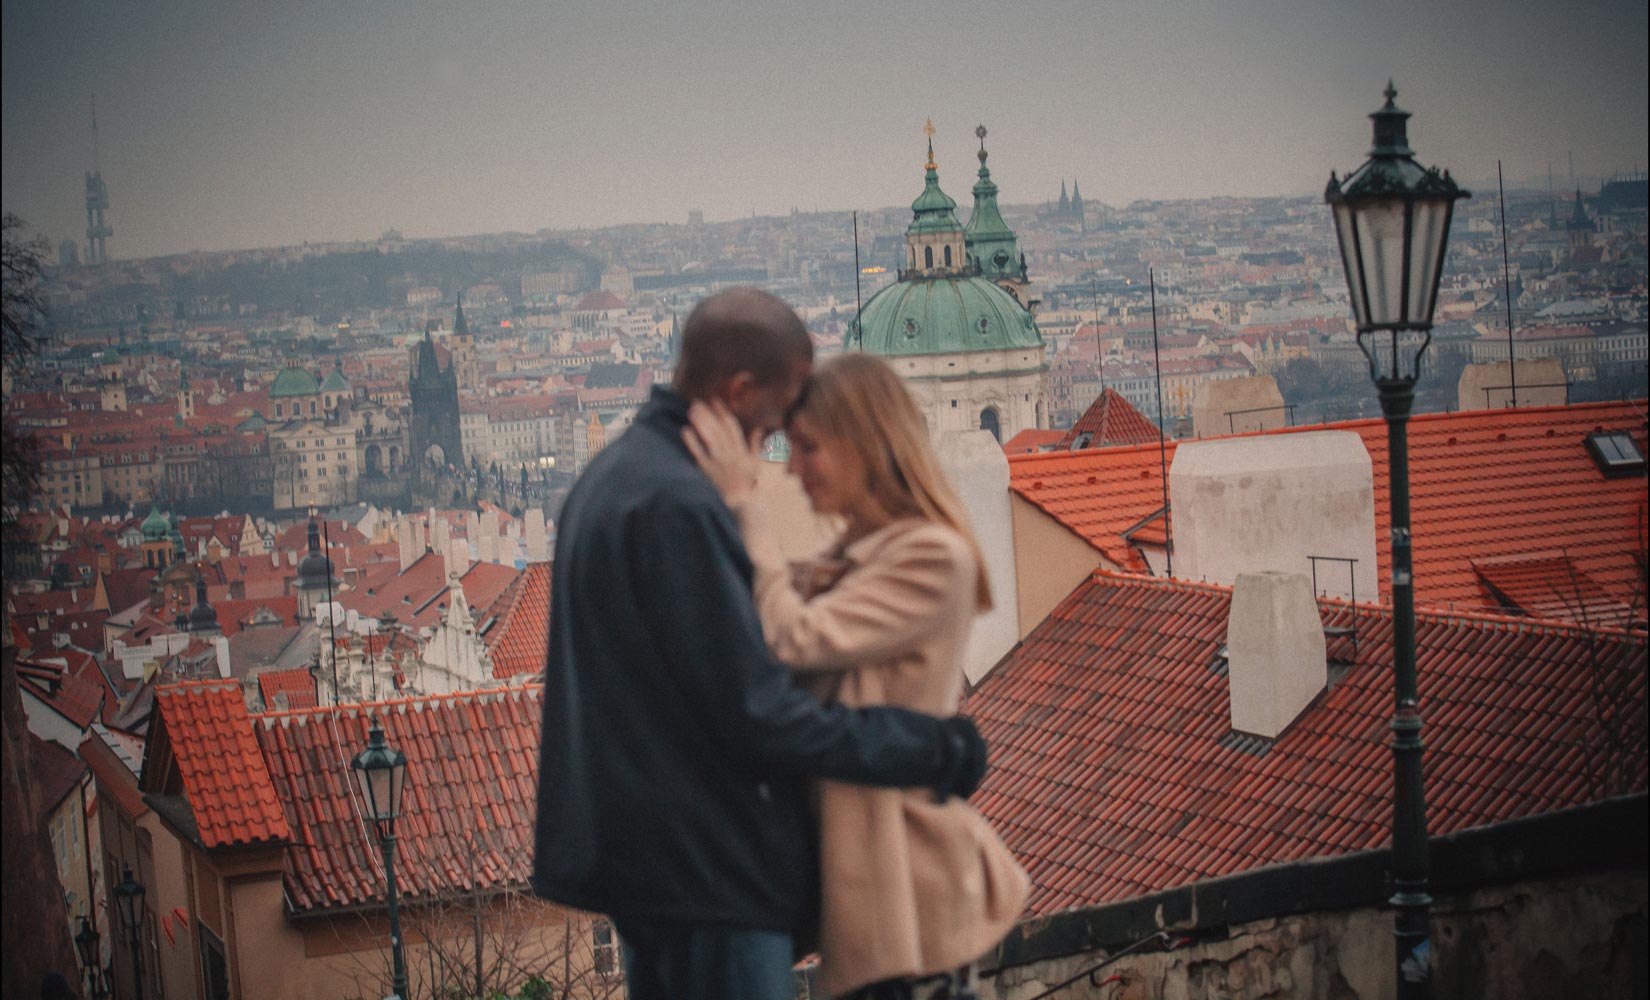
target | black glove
[{"x": 963, "y": 760}]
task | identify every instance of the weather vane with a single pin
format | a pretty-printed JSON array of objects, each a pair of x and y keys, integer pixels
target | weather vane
[
  {"x": 979, "y": 130},
  {"x": 928, "y": 130}
]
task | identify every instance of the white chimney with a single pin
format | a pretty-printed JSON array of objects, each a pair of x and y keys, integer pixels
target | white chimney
[
  {"x": 220, "y": 646},
  {"x": 1275, "y": 652},
  {"x": 487, "y": 537},
  {"x": 457, "y": 557},
  {"x": 1273, "y": 502},
  {"x": 978, "y": 470},
  {"x": 440, "y": 536},
  {"x": 538, "y": 549}
]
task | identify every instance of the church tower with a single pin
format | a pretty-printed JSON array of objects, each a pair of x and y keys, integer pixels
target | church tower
[
  {"x": 433, "y": 413},
  {"x": 969, "y": 351},
  {"x": 992, "y": 246}
]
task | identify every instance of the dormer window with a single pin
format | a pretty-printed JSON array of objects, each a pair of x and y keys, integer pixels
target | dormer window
[{"x": 1616, "y": 453}]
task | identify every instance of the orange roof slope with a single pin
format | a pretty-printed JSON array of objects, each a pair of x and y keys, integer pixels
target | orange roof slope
[
  {"x": 1109, "y": 421},
  {"x": 467, "y": 819},
  {"x": 298, "y": 684},
  {"x": 210, "y": 735},
  {"x": 1484, "y": 485},
  {"x": 1114, "y": 773},
  {"x": 523, "y": 640}
]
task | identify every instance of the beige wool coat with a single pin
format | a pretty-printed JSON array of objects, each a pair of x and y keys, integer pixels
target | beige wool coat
[{"x": 910, "y": 886}]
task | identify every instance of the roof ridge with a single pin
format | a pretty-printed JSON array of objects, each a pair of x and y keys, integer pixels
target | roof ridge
[
  {"x": 502, "y": 691},
  {"x": 1466, "y": 617}
]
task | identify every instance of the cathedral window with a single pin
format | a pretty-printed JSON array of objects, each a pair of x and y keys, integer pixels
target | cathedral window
[
  {"x": 947, "y": 256},
  {"x": 928, "y": 257}
]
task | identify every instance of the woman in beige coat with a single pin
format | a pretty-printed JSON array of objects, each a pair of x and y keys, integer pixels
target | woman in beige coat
[{"x": 913, "y": 890}]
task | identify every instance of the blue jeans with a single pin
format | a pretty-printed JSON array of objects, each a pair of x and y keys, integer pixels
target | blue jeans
[{"x": 666, "y": 961}]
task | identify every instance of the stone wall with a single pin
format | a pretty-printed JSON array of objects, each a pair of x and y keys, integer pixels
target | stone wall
[
  {"x": 1546, "y": 906},
  {"x": 1581, "y": 937}
]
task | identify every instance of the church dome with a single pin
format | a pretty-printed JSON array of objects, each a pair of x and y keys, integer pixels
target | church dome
[
  {"x": 294, "y": 382},
  {"x": 202, "y": 617},
  {"x": 155, "y": 526},
  {"x": 944, "y": 315}
]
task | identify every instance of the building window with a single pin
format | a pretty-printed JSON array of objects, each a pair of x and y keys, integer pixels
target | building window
[
  {"x": 214, "y": 967},
  {"x": 605, "y": 948}
]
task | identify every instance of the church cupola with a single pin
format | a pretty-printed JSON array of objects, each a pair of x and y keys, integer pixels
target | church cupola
[
  {"x": 202, "y": 617},
  {"x": 314, "y": 573},
  {"x": 992, "y": 246},
  {"x": 934, "y": 244}
]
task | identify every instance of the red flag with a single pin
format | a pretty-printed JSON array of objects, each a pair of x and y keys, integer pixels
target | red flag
[
  {"x": 181, "y": 917},
  {"x": 166, "y": 927}
]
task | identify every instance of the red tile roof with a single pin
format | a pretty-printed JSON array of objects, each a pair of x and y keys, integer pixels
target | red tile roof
[
  {"x": 1484, "y": 484},
  {"x": 519, "y": 643},
  {"x": 472, "y": 760},
  {"x": 298, "y": 684},
  {"x": 206, "y": 726},
  {"x": 1032, "y": 441},
  {"x": 1112, "y": 776},
  {"x": 1109, "y": 421}
]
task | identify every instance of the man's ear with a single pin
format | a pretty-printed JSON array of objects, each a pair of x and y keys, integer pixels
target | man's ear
[{"x": 736, "y": 391}]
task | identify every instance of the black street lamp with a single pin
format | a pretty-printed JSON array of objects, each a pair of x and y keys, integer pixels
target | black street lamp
[
  {"x": 129, "y": 903},
  {"x": 1392, "y": 218},
  {"x": 381, "y": 772},
  {"x": 91, "y": 956}
]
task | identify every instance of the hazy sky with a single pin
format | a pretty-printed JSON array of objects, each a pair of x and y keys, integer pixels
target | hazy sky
[{"x": 228, "y": 123}]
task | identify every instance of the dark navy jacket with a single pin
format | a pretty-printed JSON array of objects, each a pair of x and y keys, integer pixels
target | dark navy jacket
[{"x": 675, "y": 751}]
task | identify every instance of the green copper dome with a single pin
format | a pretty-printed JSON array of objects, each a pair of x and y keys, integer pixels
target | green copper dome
[
  {"x": 933, "y": 211},
  {"x": 334, "y": 383},
  {"x": 294, "y": 382},
  {"x": 992, "y": 246},
  {"x": 155, "y": 526},
  {"x": 948, "y": 315}
]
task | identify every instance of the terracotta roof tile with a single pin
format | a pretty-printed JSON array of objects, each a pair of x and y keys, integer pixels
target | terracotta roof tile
[
  {"x": 210, "y": 734},
  {"x": 1485, "y": 485},
  {"x": 1109, "y": 421},
  {"x": 523, "y": 638},
  {"x": 297, "y": 684},
  {"x": 470, "y": 792},
  {"x": 1110, "y": 778}
]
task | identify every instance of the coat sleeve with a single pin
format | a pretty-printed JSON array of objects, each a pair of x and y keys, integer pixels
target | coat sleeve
[
  {"x": 700, "y": 612},
  {"x": 875, "y": 612}
]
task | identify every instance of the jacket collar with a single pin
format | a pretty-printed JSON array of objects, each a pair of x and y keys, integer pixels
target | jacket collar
[
  {"x": 861, "y": 551},
  {"x": 664, "y": 411}
]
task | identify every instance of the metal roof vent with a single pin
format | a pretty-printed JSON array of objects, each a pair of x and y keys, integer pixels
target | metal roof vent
[{"x": 1617, "y": 454}]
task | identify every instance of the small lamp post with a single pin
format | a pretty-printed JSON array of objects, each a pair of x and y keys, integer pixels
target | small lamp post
[
  {"x": 91, "y": 956},
  {"x": 1392, "y": 219},
  {"x": 381, "y": 773},
  {"x": 129, "y": 903}
]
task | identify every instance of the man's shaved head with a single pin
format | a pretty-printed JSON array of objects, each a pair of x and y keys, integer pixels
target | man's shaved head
[{"x": 740, "y": 330}]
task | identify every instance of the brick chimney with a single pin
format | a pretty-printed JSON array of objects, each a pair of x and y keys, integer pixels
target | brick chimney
[{"x": 1275, "y": 651}]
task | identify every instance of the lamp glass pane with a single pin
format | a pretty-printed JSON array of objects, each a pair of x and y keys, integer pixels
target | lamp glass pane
[
  {"x": 1431, "y": 222},
  {"x": 1381, "y": 244},
  {"x": 381, "y": 802},
  {"x": 1345, "y": 232}
]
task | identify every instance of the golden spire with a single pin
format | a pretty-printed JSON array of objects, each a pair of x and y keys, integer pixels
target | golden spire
[{"x": 928, "y": 130}]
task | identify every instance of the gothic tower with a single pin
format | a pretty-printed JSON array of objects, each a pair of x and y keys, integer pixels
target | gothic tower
[{"x": 433, "y": 413}]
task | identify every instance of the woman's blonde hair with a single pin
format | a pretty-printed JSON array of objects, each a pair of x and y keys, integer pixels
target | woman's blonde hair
[{"x": 856, "y": 399}]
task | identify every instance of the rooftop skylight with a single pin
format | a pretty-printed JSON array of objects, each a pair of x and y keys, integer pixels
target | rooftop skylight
[{"x": 1616, "y": 453}]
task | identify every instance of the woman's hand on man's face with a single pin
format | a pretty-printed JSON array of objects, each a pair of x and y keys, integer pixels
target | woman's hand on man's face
[{"x": 722, "y": 449}]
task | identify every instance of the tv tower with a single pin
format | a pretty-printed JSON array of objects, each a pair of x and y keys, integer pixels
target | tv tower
[{"x": 97, "y": 202}]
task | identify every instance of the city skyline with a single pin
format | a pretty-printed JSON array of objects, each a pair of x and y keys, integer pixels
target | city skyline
[{"x": 239, "y": 126}]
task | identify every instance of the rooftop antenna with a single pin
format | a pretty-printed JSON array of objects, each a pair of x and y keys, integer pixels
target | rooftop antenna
[
  {"x": 332, "y": 611},
  {"x": 1506, "y": 289},
  {"x": 1099, "y": 353},
  {"x": 1162, "y": 438},
  {"x": 859, "y": 331}
]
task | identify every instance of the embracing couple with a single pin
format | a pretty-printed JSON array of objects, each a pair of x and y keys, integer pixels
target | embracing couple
[{"x": 745, "y": 759}]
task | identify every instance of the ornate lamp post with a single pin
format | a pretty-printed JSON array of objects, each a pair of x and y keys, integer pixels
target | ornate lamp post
[
  {"x": 129, "y": 903},
  {"x": 1392, "y": 218},
  {"x": 91, "y": 956},
  {"x": 381, "y": 772}
]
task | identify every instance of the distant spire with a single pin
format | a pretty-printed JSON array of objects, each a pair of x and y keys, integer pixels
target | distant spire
[
  {"x": 460, "y": 327},
  {"x": 928, "y": 130}
]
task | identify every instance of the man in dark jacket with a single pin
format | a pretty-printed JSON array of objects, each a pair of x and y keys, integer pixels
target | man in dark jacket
[{"x": 676, "y": 754}]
